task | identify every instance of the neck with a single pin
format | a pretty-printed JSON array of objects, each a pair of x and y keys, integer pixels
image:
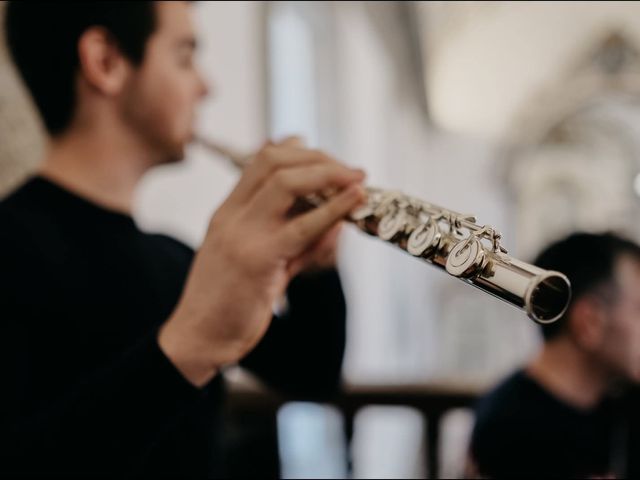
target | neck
[
  {"x": 99, "y": 165},
  {"x": 570, "y": 374}
]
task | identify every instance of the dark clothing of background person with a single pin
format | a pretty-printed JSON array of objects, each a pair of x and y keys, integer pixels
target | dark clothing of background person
[
  {"x": 86, "y": 389},
  {"x": 522, "y": 430}
]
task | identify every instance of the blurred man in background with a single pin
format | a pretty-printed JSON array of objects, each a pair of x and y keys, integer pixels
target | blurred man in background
[
  {"x": 114, "y": 339},
  {"x": 557, "y": 415}
]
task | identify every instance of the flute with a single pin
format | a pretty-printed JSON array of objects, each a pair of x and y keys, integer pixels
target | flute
[{"x": 452, "y": 242}]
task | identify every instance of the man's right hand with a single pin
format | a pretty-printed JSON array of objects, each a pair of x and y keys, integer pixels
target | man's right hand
[{"x": 252, "y": 249}]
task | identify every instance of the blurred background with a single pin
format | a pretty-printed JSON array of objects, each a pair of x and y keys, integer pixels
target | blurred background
[{"x": 526, "y": 114}]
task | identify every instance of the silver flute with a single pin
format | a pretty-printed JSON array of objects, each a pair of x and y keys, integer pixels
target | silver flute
[{"x": 451, "y": 241}]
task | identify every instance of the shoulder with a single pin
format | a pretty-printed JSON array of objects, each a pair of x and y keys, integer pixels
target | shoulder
[
  {"x": 510, "y": 409},
  {"x": 25, "y": 212},
  {"x": 24, "y": 268},
  {"x": 22, "y": 198},
  {"x": 506, "y": 425},
  {"x": 508, "y": 395},
  {"x": 29, "y": 230},
  {"x": 31, "y": 240},
  {"x": 13, "y": 229}
]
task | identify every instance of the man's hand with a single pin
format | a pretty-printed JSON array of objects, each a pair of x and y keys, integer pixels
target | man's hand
[
  {"x": 322, "y": 255},
  {"x": 252, "y": 249}
]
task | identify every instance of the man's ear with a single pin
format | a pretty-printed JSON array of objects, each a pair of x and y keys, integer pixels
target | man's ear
[
  {"x": 102, "y": 65},
  {"x": 587, "y": 323}
]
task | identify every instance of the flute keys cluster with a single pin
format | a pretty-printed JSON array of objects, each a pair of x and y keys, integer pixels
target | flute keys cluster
[{"x": 399, "y": 219}]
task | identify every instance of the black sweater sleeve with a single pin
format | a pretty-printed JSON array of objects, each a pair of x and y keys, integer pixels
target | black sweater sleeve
[
  {"x": 303, "y": 350},
  {"x": 102, "y": 422}
]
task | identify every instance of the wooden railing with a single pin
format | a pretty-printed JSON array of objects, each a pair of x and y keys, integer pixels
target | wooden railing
[{"x": 432, "y": 400}]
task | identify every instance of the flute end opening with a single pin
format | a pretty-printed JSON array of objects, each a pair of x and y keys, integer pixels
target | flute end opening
[{"x": 550, "y": 298}]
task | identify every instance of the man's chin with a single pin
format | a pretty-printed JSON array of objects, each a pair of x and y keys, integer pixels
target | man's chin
[
  {"x": 173, "y": 159},
  {"x": 172, "y": 154},
  {"x": 177, "y": 156}
]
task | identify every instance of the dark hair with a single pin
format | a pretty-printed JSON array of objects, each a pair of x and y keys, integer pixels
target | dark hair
[
  {"x": 588, "y": 260},
  {"x": 43, "y": 41}
]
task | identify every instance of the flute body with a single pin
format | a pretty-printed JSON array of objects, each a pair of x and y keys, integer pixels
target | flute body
[{"x": 452, "y": 242}]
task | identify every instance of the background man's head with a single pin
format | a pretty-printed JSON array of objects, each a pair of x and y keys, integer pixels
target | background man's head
[
  {"x": 603, "y": 318},
  {"x": 124, "y": 66}
]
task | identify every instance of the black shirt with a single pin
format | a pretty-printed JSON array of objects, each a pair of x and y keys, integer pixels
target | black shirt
[
  {"x": 85, "y": 386},
  {"x": 523, "y": 430}
]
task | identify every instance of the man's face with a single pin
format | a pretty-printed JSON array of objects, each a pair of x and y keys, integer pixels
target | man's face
[
  {"x": 161, "y": 96},
  {"x": 620, "y": 347}
]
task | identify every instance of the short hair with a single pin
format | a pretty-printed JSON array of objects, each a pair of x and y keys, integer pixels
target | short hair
[
  {"x": 42, "y": 38},
  {"x": 588, "y": 260}
]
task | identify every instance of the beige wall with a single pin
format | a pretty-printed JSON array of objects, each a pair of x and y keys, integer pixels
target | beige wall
[
  {"x": 489, "y": 60},
  {"x": 21, "y": 136}
]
